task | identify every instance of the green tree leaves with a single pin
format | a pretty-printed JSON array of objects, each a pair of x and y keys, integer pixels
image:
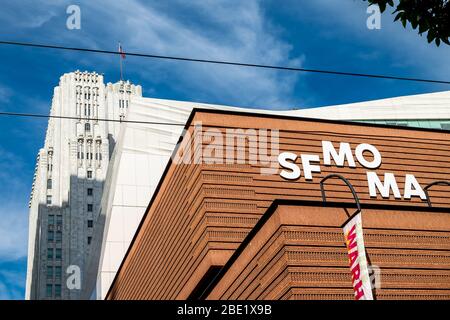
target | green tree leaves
[{"x": 431, "y": 16}]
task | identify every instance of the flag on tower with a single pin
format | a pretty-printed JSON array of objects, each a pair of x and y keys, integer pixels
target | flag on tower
[
  {"x": 122, "y": 56},
  {"x": 122, "y": 53}
]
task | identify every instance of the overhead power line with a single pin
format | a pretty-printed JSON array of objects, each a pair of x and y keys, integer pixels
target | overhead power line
[
  {"x": 354, "y": 122},
  {"x": 35, "y": 115},
  {"x": 230, "y": 63}
]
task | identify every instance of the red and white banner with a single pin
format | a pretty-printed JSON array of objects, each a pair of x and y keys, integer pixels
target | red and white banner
[{"x": 354, "y": 241}]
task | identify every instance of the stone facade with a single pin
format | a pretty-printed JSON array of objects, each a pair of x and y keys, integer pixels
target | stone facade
[{"x": 68, "y": 181}]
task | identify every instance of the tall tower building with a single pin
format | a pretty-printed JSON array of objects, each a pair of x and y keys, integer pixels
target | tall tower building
[{"x": 68, "y": 181}]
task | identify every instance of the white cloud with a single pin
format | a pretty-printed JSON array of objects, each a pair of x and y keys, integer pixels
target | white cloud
[
  {"x": 12, "y": 280},
  {"x": 29, "y": 14},
  {"x": 237, "y": 31},
  {"x": 13, "y": 211},
  {"x": 13, "y": 231},
  {"x": 222, "y": 30},
  {"x": 405, "y": 48},
  {"x": 7, "y": 292}
]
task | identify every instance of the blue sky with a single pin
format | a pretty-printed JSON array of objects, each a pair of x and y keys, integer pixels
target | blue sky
[{"x": 327, "y": 34}]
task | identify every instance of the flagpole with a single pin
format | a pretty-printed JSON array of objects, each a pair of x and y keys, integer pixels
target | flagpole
[
  {"x": 120, "y": 60},
  {"x": 121, "y": 69},
  {"x": 121, "y": 56}
]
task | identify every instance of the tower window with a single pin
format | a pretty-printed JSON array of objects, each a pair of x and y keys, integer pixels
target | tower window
[
  {"x": 49, "y": 272},
  {"x": 57, "y": 290},
  {"x": 58, "y": 272},
  {"x": 51, "y": 219},
  {"x": 49, "y": 199},
  {"x": 89, "y": 174},
  {"x": 90, "y": 223},
  {"x": 90, "y": 191},
  {"x": 49, "y": 184},
  {"x": 58, "y": 254},
  {"x": 58, "y": 236},
  {"x": 49, "y": 291},
  {"x": 89, "y": 207},
  {"x": 50, "y": 253},
  {"x": 50, "y": 235},
  {"x": 89, "y": 239},
  {"x": 87, "y": 127}
]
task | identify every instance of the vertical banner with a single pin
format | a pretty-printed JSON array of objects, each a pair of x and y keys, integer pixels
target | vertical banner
[{"x": 354, "y": 241}]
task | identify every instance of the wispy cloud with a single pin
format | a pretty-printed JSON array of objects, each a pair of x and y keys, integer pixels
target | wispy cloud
[
  {"x": 404, "y": 48},
  {"x": 224, "y": 30},
  {"x": 13, "y": 211},
  {"x": 12, "y": 276},
  {"x": 13, "y": 231},
  {"x": 237, "y": 31},
  {"x": 29, "y": 14}
]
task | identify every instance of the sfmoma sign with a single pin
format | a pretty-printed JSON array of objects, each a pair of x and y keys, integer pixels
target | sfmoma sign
[{"x": 305, "y": 165}]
